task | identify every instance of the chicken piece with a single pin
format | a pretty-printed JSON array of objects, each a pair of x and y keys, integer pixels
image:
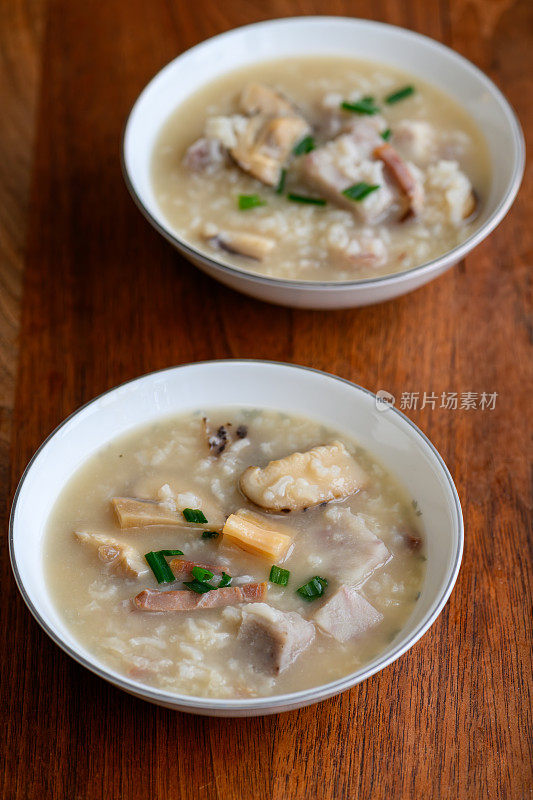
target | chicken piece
[
  {"x": 342, "y": 163},
  {"x": 265, "y": 145},
  {"x": 121, "y": 558},
  {"x": 272, "y": 640},
  {"x": 347, "y": 614},
  {"x": 416, "y": 140},
  {"x": 256, "y": 98},
  {"x": 185, "y": 600},
  {"x": 449, "y": 188},
  {"x": 256, "y": 534},
  {"x": 405, "y": 175},
  {"x": 182, "y": 568},
  {"x": 134, "y": 513},
  {"x": 293, "y": 483},
  {"x": 204, "y": 155},
  {"x": 249, "y": 245}
]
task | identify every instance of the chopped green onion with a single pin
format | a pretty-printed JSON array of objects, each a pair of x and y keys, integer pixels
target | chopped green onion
[
  {"x": 209, "y": 534},
  {"x": 201, "y": 574},
  {"x": 247, "y": 201},
  {"x": 401, "y": 94},
  {"x": 385, "y": 135},
  {"x": 194, "y": 515},
  {"x": 313, "y": 588},
  {"x": 158, "y": 565},
  {"x": 300, "y": 198},
  {"x": 279, "y": 576},
  {"x": 225, "y": 580},
  {"x": 366, "y": 105},
  {"x": 281, "y": 183},
  {"x": 305, "y": 145},
  {"x": 360, "y": 190},
  {"x": 197, "y": 586}
]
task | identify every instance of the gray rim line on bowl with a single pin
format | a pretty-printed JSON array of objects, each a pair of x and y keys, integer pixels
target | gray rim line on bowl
[
  {"x": 456, "y": 253},
  {"x": 194, "y": 702},
  {"x": 304, "y": 695}
]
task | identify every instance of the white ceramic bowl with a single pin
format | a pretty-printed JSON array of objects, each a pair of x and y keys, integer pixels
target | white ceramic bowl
[
  {"x": 387, "y": 433},
  {"x": 339, "y": 36}
]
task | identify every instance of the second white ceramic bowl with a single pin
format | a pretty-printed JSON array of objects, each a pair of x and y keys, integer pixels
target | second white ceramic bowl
[
  {"x": 385, "y": 432},
  {"x": 341, "y": 36}
]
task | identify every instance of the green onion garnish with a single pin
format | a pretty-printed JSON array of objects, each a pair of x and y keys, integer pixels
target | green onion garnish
[
  {"x": 201, "y": 574},
  {"x": 366, "y": 105},
  {"x": 279, "y": 576},
  {"x": 401, "y": 94},
  {"x": 209, "y": 534},
  {"x": 305, "y": 145},
  {"x": 300, "y": 198},
  {"x": 385, "y": 135},
  {"x": 360, "y": 190},
  {"x": 194, "y": 515},
  {"x": 158, "y": 565},
  {"x": 313, "y": 588},
  {"x": 281, "y": 183},
  {"x": 250, "y": 201},
  {"x": 225, "y": 580},
  {"x": 200, "y": 578}
]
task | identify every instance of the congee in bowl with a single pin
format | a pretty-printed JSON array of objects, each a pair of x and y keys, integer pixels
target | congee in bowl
[
  {"x": 234, "y": 553},
  {"x": 321, "y": 169}
]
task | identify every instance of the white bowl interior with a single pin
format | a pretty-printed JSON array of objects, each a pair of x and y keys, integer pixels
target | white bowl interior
[
  {"x": 340, "y": 36},
  {"x": 387, "y": 434}
]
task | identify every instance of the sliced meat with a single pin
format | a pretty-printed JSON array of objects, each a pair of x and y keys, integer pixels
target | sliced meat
[
  {"x": 264, "y": 146},
  {"x": 324, "y": 473},
  {"x": 256, "y": 98},
  {"x": 204, "y": 155},
  {"x": 182, "y": 568},
  {"x": 257, "y": 534},
  {"x": 342, "y": 163},
  {"x": 185, "y": 600},
  {"x": 249, "y": 245},
  {"x": 121, "y": 558},
  {"x": 272, "y": 640},
  {"x": 134, "y": 513},
  {"x": 347, "y": 614},
  {"x": 404, "y": 174}
]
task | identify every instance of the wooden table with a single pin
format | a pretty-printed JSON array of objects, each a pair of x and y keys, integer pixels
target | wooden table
[{"x": 90, "y": 296}]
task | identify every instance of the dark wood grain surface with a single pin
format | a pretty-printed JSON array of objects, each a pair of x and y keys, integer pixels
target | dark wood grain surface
[{"x": 105, "y": 299}]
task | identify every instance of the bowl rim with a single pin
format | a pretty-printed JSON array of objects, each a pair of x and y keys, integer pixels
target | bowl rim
[
  {"x": 454, "y": 255},
  {"x": 280, "y": 702}
]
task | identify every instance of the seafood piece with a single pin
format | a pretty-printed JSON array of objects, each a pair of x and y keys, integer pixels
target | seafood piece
[
  {"x": 249, "y": 245},
  {"x": 293, "y": 483},
  {"x": 121, "y": 558},
  {"x": 257, "y": 534},
  {"x": 273, "y": 639},
  {"x": 185, "y": 600}
]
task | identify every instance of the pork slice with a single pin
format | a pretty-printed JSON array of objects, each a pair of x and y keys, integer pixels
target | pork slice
[
  {"x": 266, "y": 143},
  {"x": 182, "y": 568},
  {"x": 272, "y": 639},
  {"x": 347, "y": 614},
  {"x": 406, "y": 177},
  {"x": 185, "y": 600}
]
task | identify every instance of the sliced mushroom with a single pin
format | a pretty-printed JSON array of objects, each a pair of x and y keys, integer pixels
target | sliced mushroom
[
  {"x": 404, "y": 176},
  {"x": 134, "y": 513},
  {"x": 185, "y": 600},
  {"x": 265, "y": 144},
  {"x": 122, "y": 558},
  {"x": 293, "y": 483},
  {"x": 256, "y": 98},
  {"x": 249, "y": 245}
]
